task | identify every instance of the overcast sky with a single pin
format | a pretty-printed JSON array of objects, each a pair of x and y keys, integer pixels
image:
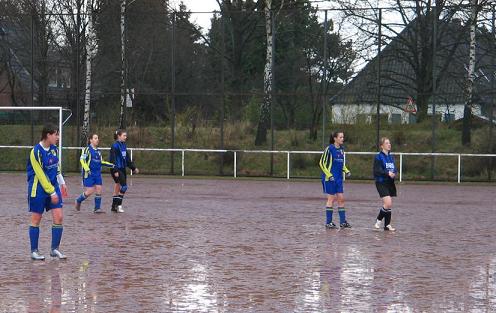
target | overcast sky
[{"x": 200, "y": 6}]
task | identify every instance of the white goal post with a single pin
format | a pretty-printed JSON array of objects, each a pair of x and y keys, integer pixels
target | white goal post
[{"x": 60, "y": 123}]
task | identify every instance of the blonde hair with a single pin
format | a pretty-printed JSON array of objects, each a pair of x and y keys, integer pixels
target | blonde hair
[{"x": 383, "y": 140}]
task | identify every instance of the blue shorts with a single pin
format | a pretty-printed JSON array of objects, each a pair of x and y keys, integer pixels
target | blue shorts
[
  {"x": 332, "y": 187},
  {"x": 92, "y": 180},
  {"x": 42, "y": 201}
]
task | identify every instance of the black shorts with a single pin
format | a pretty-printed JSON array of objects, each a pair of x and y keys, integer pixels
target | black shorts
[
  {"x": 122, "y": 179},
  {"x": 386, "y": 189}
]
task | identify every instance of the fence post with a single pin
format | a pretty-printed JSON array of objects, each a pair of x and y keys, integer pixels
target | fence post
[
  {"x": 131, "y": 157},
  {"x": 235, "y": 160},
  {"x": 182, "y": 162},
  {"x": 288, "y": 166},
  {"x": 401, "y": 167},
  {"x": 459, "y": 167}
]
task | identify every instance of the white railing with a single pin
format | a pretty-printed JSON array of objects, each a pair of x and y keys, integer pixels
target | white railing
[{"x": 288, "y": 156}]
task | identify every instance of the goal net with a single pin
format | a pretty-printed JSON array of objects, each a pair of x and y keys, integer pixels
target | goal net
[{"x": 20, "y": 130}]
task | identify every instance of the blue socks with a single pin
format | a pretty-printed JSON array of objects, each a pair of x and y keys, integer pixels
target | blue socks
[
  {"x": 34, "y": 235},
  {"x": 98, "y": 201},
  {"x": 328, "y": 215},
  {"x": 57, "y": 230},
  {"x": 342, "y": 215},
  {"x": 82, "y": 197}
]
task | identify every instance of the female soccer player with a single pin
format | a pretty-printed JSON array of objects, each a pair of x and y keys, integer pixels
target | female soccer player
[
  {"x": 384, "y": 174},
  {"x": 91, "y": 163},
  {"x": 121, "y": 158},
  {"x": 44, "y": 184},
  {"x": 332, "y": 166}
]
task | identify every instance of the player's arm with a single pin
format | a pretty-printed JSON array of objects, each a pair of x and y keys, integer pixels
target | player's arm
[
  {"x": 35, "y": 160},
  {"x": 112, "y": 159},
  {"x": 108, "y": 164},
  {"x": 84, "y": 160},
  {"x": 130, "y": 162},
  {"x": 379, "y": 168},
  {"x": 324, "y": 162}
]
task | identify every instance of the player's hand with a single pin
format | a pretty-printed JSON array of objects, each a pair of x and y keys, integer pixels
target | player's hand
[
  {"x": 330, "y": 178},
  {"x": 64, "y": 191},
  {"x": 116, "y": 174},
  {"x": 136, "y": 171},
  {"x": 54, "y": 198},
  {"x": 391, "y": 174},
  {"x": 348, "y": 174}
]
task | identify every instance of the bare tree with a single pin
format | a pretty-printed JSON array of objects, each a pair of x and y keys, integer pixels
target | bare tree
[
  {"x": 420, "y": 25},
  {"x": 91, "y": 50}
]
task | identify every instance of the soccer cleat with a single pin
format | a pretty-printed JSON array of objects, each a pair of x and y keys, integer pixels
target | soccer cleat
[
  {"x": 99, "y": 210},
  {"x": 120, "y": 209},
  {"x": 377, "y": 224},
  {"x": 389, "y": 228},
  {"x": 114, "y": 209},
  {"x": 331, "y": 225},
  {"x": 345, "y": 225},
  {"x": 77, "y": 205},
  {"x": 57, "y": 254},
  {"x": 36, "y": 255}
]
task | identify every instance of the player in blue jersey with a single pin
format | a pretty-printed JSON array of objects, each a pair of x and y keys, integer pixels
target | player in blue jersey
[
  {"x": 44, "y": 191},
  {"x": 384, "y": 174},
  {"x": 333, "y": 167},
  {"x": 120, "y": 157},
  {"x": 91, "y": 163}
]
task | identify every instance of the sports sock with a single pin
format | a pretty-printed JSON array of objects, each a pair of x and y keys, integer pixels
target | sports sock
[
  {"x": 82, "y": 197},
  {"x": 119, "y": 200},
  {"x": 329, "y": 212},
  {"x": 387, "y": 217},
  {"x": 381, "y": 215},
  {"x": 98, "y": 201},
  {"x": 57, "y": 230},
  {"x": 34, "y": 235},
  {"x": 342, "y": 215},
  {"x": 115, "y": 201}
]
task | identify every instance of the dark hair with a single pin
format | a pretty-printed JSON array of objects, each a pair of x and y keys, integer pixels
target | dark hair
[
  {"x": 91, "y": 137},
  {"x": 48, "y": 130},
  {"x": 118, "y": 133},
  {"x": 334, "y": 135}
]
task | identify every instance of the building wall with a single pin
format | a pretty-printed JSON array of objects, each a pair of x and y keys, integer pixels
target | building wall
[{"x": 354, "y": 113}]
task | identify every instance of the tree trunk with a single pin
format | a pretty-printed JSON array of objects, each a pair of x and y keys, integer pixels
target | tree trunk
[
  {"x": 91, "y": 50},
  {"x": 467, "y": 111},
  {"x": 263, "y": 121},
  {"x": 123, "y": 65}
]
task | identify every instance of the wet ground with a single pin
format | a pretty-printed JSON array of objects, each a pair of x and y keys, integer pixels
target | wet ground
[{"x": 188, "y": 245}]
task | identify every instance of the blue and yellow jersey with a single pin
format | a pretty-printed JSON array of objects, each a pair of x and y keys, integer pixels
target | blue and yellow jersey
[
  {"x": 120, "y": 156},
  {"x": 332, "y": 163},
  {"x": 42, "y": 169},
  {"x": 383, "y": 164},
  {"x": 92, "y": 162}
]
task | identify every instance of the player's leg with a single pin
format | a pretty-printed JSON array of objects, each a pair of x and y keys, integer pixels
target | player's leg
[
  {"x": 98, "y": 198},
  {"x": 122, "y": 191},
  {"x": 117, "y": 187},
  {"x": 37, "y": 200},
  {"x": 89, "y": 185},
  {"x": 342, "y": 211},
  {"x": 327, "y": 187},
  {"x": 57, "y": 227},
  {"x": 387, "y": 203},
  {"x": 383, "y": 194},
  {"x": 34, "y": 235}
]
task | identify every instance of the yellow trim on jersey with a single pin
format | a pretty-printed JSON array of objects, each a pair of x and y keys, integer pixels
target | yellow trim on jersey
[
  {"x": 322, "y": 163},
  {"x": 40, "y": 174},
  {"x": 85, "y": 160},
  {"x": 35, "y": 187},
  {"x": 345, "y": 169}
]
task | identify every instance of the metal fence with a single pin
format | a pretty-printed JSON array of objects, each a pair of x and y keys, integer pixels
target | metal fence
[{"x": 400, "y": 157}]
